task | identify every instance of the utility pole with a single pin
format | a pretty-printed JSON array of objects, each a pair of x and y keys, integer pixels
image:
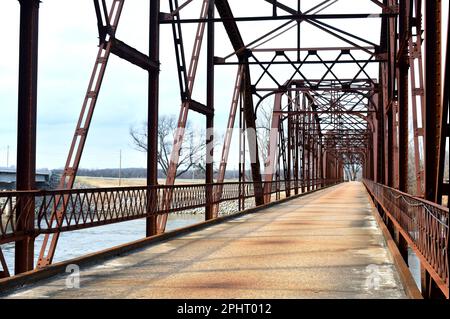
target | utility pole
[
  {"x": 7, "y": 156},
  {"x": 120, "y": 167}
]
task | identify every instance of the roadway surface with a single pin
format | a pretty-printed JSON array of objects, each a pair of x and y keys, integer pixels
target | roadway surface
[{"x": 323, "y": 245}]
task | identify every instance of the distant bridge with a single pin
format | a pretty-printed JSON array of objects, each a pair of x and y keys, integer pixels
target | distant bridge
[{"x": 8, "y": 179}]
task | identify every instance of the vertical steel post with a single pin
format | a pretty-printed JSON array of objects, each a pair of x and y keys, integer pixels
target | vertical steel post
[
  {"x": 26, "y": 131},
  {"x": 389, "y": 75},
  {"x": 303, "y": 168},
  {"x": 442, "y": 186},
  {"x": 317, "y": 166},
  {"x": 313, "y": 154},
  {"x": 296, "y": 141},
  {"x": 402, "y": 245},
  {"x": 209, "y": 178},
  {"x": 380, "y": 175},
  {"x": 298, "y": 31},
  {"x": 289, "y": 147},
  {"x": 403, "y": 67},
  {"x": 390, "y": 146},
  {"x": 432, "y": 96},
  {"x": 153, "y": 110},
  {"x": 242, "y": 178},
  {"x": 381, "y": 98},
  {"x": 433, "y": 122},
  {"x": 321, "y": 174}
]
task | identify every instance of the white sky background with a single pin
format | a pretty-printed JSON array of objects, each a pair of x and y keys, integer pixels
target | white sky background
[{"x": 67, "y": 48}]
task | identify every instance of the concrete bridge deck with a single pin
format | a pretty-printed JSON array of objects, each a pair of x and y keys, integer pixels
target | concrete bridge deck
[{"x": 323, "y": 245}]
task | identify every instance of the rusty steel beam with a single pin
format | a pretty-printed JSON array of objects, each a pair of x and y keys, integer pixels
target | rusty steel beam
[
  {"x": 417, "y": 90},
  {"x": 152, "y": 114},
  {"x": 403, "y": 93},
  {"x": 130, "y": 54},
  {"x": 200, "y": 108},
  {"x": 296, "y": 141},
  {"x": 443, "y": 186},
  {"x": 380, "y": 117},
  {"x": 26, "y": 131},
  {"x": 325, "y": 62},
  {"x": 270, "y": 164},
  {"x": 306, "y": 17},
  {"x": 387, "y": 76},
  {"x": 209, "y": 167},
  {"x": 4, "y": 273},
  {"x": 432, "y": 96},
  {"x": 289, "y": 144}
]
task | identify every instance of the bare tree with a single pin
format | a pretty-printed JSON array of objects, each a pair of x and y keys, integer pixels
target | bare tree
[
  {"x": 192, "y": 151},
  {"x": 352, "y": 170},
  {"x": 200, "y": 167},
  {"x": 263, "y": 126},
  {"x": 412, "y": 178}
]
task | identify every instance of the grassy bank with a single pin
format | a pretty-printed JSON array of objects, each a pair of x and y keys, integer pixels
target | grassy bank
[{"x": 94, "y": 182}]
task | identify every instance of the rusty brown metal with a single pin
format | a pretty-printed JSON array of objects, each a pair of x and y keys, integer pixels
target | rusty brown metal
[
  {"x": 270, "y": 164},
  {"x": 423, "y": 224},
  {"x": 418, "y": 94},
  {"x": 443, "y": 188},
  {"x": 26, "y": 131},
  {"x": 403, "y": 93},
  {"x": 4, "y": 273},
  {"x": 433, "y": 96},
  {"x": 209, "y": 174},
  {"x": 152, "y": 121}
]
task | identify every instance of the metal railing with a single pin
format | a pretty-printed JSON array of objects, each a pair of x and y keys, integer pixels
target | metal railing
[
  {"x": 424, "y": 224},
  {"x": 84, "y": 208}
]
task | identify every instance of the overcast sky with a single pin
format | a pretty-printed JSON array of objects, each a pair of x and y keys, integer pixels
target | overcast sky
[{"x": 67, "y": 48}]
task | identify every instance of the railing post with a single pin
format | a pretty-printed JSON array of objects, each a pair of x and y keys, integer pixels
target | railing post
[
  {"x": 429, "y": 288},
  {"x": 210, "y": 201},
  {"x": 26, "y": 131},
  {"x": 5, "y": 272},
  {"x": 402, "y": 245}
]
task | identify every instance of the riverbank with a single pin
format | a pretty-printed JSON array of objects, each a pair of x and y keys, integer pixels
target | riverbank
[{"x": 97, "y": 182}]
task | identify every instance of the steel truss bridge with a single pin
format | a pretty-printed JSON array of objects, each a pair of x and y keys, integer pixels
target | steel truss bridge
[{"x": 320, "y": 123}]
